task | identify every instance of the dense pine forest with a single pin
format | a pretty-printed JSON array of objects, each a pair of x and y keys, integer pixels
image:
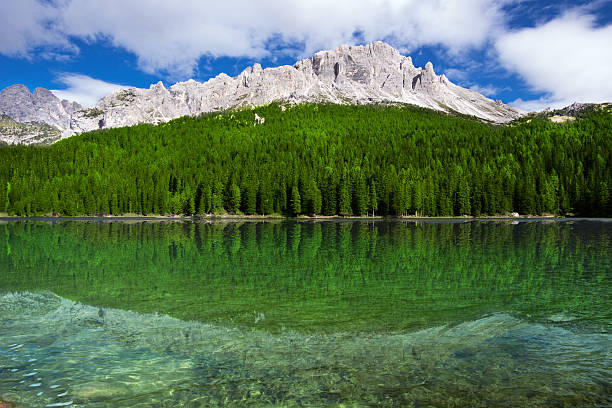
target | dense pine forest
[{"x": 319, "y": 159}]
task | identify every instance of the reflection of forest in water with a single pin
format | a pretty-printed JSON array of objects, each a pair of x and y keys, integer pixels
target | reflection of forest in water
[{"x": 320, "y": 276}]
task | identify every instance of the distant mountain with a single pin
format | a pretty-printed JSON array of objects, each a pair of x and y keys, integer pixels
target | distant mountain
[
  {"x": 571, "y": 112},
  {"x": 371, "y": 74},
  {"x": 38, "y": 117}
]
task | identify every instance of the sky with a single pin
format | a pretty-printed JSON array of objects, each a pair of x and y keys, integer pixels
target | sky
[{"x": 531, "y": 54}]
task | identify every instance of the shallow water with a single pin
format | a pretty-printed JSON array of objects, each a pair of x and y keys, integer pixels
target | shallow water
[{"x": 306, "y": 314}]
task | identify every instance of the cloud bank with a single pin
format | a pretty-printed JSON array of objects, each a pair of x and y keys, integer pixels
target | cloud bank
[
  {"x": 172, "y": 36},
  {"x": 27, "y": 25},
  {"x": 568, "y": 58}
]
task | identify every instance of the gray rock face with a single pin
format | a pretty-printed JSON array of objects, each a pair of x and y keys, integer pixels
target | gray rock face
[
  {"x": 374, "y": 73},
  {"x": 13, "y": 132},
  {"x": 40, "y": 107}
]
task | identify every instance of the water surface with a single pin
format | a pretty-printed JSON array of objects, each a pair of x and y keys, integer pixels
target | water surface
[{"x": 306, "y": 314}]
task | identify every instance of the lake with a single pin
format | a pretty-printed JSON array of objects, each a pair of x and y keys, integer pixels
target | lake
[{"x": 423, "y": 313}]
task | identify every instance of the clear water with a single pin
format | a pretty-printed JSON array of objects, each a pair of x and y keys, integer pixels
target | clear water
[{"x": 422, "y": 314}]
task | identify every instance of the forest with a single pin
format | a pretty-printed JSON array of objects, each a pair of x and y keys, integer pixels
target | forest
[{"x": 319, "y": 160}]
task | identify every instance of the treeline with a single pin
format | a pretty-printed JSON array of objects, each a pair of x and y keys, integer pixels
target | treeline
[{"x": 319, "y": 159}]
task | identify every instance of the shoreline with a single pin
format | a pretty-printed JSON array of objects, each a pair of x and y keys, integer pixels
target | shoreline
[{"x": 218, "y": 218}]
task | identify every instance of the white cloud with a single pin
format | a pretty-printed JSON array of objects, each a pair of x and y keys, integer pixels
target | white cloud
[
  {"x": 568, "y": 58},
  {"x": 83, "y": 89},
  {"x": 26, "y": 25},
  {"x": 537, "y": 105},
  {"x": 171, "y": 36},
  {"x": 487, "y": 90}
]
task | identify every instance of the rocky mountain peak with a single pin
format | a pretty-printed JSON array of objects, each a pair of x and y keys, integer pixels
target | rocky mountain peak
[
  {"x": 17, "y": 89},
  {"x": 366, "y": 74},
  {"x": 158, "y": 87},
  {"x": 43, "y": 93},
  {"x": 430, "y": 69},
  {"x": 39, "y": 107}
]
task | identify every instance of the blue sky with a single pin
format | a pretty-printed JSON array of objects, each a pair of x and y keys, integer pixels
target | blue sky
[{"x": 529, "y": 53}]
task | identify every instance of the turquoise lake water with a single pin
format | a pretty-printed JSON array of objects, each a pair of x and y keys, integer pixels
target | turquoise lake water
[{"x": 449, "y": 313}]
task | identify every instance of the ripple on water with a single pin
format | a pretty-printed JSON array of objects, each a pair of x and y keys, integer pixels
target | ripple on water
[{"x": 144, "y": 359}]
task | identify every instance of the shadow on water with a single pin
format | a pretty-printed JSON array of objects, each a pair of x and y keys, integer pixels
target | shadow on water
[{"x": 298, "y": 314}]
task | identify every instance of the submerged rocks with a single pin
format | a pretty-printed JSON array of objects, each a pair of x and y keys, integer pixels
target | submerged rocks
[
  {"x": 6, "y": 404},
  {"x": 100, "y": 391}
]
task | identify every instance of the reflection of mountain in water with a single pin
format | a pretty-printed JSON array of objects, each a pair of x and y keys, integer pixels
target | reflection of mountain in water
[{"x": 129, "y": 358}]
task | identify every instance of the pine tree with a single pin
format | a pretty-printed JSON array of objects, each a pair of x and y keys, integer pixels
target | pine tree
[
  {"x": 316, "y": 199},
  {"x": 359, "y": 193},
  {"x": 7, "y": 200},
  {"x": 265, "y": 200},
  {"x": 422, "y": 162},
  {"x": 205, "y": 206},
  {"x": 296, "y": 201},
  {"x": 373, "y": 201},
  {"x": 249, "y": 196},
  {"x": 233, "y": 201},
  {"x": 463, "y": 198},
  {"x": 217, "y": 198},
  {"x": 344, "y": 194},
  {"x": 328, "y": 192}
]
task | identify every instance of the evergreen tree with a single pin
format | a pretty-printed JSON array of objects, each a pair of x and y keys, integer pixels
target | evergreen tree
[
  {"x": 317, "y": 200},
  {"x": 344, "y": 194},
  {"x": 233, "y": 202},
  {"x": 265, "y": 199},
  {"x": 7, "y": 201},
  {"x": 373, "y": 202},
  {"x": 296, "y": 201},
  {"x": 217, "y": 198},
  {"x": 463, "y": 198},
  {"x": 359, "y": 193}
]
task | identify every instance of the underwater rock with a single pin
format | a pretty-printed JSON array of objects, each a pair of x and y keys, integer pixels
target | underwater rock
[
  {"x": 97, "y": 391},
  {"x": 6, "y": 404}
]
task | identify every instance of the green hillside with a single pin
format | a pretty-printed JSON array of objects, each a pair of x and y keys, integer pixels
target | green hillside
[{"x": 320, "y": 159}]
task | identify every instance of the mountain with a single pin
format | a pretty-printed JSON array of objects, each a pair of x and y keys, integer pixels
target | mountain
[
  {"x": 569, "y": 113},
  {"x": 13, "y": 132},
  {"x": 37, "y": 117},
  {"x": 371, "y": 74}
]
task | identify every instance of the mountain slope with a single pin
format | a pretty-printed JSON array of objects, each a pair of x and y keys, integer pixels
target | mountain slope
[
  {"x": 13, "y": 132},
  {"x": 319, "y": 159},
  {"x": 372, "y": 74},
  {"x": 39, "y": 116}
]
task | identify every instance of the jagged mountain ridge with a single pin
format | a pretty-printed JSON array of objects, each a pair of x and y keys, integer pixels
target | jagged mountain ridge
[{"x": 373, "y": 73}]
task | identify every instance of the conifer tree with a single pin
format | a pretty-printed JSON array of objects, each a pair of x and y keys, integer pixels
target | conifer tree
[
  {"x": 373, "y": 198},
  {"x": 233, "y": 202},
  {"x": 296, "y": 201}
]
